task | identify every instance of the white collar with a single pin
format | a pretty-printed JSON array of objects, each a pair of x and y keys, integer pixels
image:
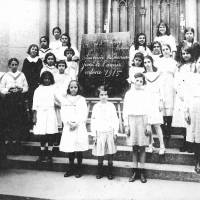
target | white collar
[
  {"x": 33, "y": 59},
  {"x": 44, "y": 50},
  {"x": 50, "y": 67}
]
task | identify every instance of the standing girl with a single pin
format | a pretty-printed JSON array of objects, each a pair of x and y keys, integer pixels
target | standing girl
[
  {"x": 164, "y": 37},
  {"x": 66, "y": 43},
  {"x": 167, "y": 66},
  {"x": 74, "y": 137},
  {"x": 137, "y": 127},
  {"x": 104, "y": 127},
  {"x": 50, "y": 64},
  {"x": 56, "y": 43},
  {"x": 14, "y": 86},
  {"x": 72, "y": 66},
  {"x": 192, "y": 113},
  {"x": 180, "y": 85},
  {"x": 137, "y": 65},
  {"x": 62, "y": 81},
  {"x": 140, "y": 45},
  {"x": 155, "y": 88},
  {"x": 31, "y": 68},
  {"x": 44, "y": 43},
  {"x": 44, "y": 115},
  {"x": 188, "y": 41}
]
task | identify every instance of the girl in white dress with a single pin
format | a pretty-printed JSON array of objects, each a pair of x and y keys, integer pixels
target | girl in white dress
[
  {"x": 140, "y": 45},
  {"x": 155, "y": 89},
  {"x": 188, "y": 41},
  {"x": 13, "y": 87},
  {"x": 50, "y": 64},
  {"x": 74, "y": 137},
  {"x": 167, "y": 66},
  {"x": 72, "y": 66},
  {"x": 136, "y": 66},
  {"x": 192, "y": 113},
  {"x": 62, "y": 81},
  {"x": 56, "y": 43},
  {"x": 184, "y": 69},
  {"x": 164, "y": 37},
  {"x": 137, "y": 127},
  {"x": 104, "y": 126},
  {"x": 44, "y": 115},
  {"x": 66, "y": 44}
]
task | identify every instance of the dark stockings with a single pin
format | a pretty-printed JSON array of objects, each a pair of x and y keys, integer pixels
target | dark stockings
[{"x": 166, "y": 127}]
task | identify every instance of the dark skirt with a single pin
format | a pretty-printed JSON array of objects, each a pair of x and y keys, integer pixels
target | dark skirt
[{"x": 15, "y": 117}]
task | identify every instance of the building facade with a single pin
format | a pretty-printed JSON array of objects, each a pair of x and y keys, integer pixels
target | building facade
[{"x": 23, "y": 22}]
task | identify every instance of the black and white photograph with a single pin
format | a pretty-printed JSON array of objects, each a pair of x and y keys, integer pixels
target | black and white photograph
[{"x": 99, "y": 99}]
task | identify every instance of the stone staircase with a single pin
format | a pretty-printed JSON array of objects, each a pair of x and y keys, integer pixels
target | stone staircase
[{"x": 174, "y": 165}]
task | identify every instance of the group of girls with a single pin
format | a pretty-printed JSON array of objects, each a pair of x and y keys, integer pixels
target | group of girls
[
  {"x": 160, "y": 88},
  {"x": 55, "y": 104},
  {"x": 163, "y": 93}
]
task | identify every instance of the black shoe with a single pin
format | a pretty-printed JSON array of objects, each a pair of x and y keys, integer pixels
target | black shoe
[
  {"x": 42, "y": 157},
  {"x": 197, "y": 168},
  {"x": 110, "y": 171},
  {"x": 133, "y": 176},
  {"x": 49, "y": 157},
  {"x": 190, "y": 148},
  {"x": 70, "y": 171},
  {"x": 184, "y": 148},
  {"x": 78, "y": 171},
  {"x": 100, "y": 171},
  {"x": 142, "y": 176}
]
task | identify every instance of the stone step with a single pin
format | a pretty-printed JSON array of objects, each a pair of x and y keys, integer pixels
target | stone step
[
  {"x": 121, "y": 168},
  {"x": 124, "y": 153},
  {"x": 175, "y": 141}
]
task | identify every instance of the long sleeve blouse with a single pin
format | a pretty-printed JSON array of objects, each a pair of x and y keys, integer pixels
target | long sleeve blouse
[
  {"x": 167, "y": 39},
  {"x": 135, "y": 103},
  {"x": 104, "y": 118},
  {"x": 11, "y": 79},
  {"x": 73, "y": 109},
  {"x": 146, "y": 51}
]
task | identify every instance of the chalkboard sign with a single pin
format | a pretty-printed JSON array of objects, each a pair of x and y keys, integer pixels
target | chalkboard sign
[{"x": 104, "y": 61}]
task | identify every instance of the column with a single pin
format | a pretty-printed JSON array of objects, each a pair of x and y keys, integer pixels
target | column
[
  {"x": 191, "y": 14},
  {"x": 73, "y": 21},
  {"x": 53, "y": 16},
  {"x": 91, "y": 16}
]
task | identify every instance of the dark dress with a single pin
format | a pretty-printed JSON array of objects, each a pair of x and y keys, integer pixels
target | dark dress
[
  {"x": 195, "y": 50},
  {"x": 32, "y": 71},
  {"x": 14, "y": 115}
]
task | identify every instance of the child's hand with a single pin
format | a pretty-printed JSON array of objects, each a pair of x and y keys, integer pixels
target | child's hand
[
  {"x": 19, "y": 89},
  {"x": 187, "y": 117},
  {"x": 148, "y": 131},
  {"x": 11, "y": 89},
  {"x": 115, "y": 138},
  {"x": 75, "y": 58},
  {"x": 94, "y": 139},
  {"x": 127, "y": 130},
  {"x": 34, "y": 120},
  {"x": 73, "y": 126},
  {"x": 161, "y": 106}
]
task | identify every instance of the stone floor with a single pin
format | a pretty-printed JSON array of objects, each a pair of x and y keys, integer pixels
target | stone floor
[{"x": 30, "y": 184}]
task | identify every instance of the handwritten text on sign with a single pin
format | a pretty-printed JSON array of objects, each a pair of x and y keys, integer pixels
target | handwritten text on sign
[{"x": 104, "y": 58}]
